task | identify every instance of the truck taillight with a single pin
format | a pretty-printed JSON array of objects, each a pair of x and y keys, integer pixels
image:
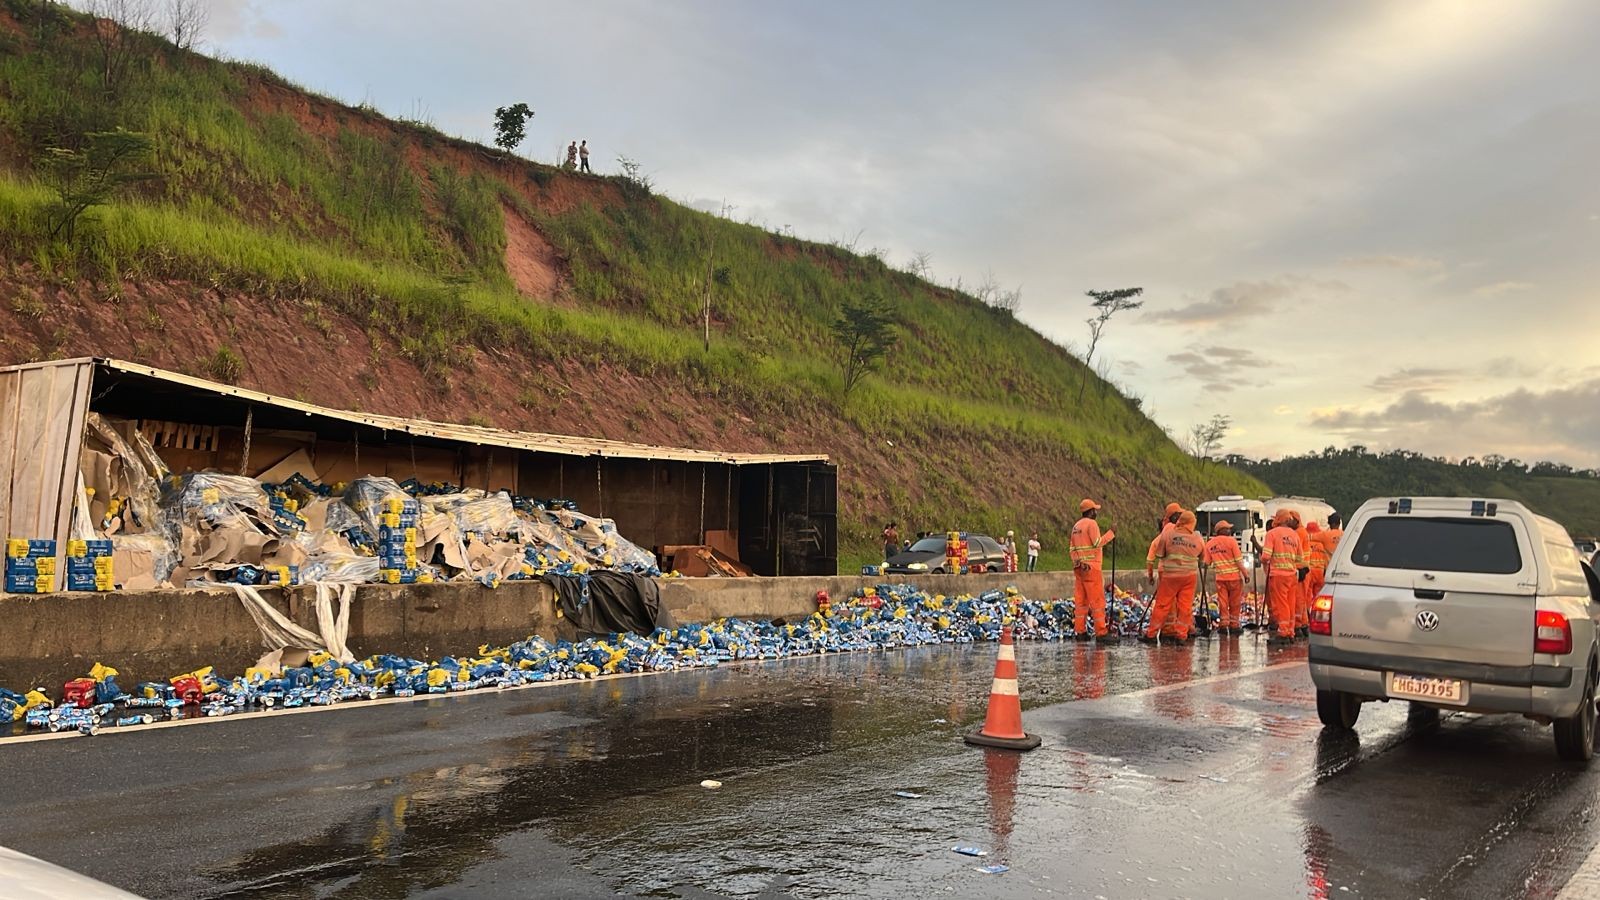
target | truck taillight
[
  {"x": 1552, "y": 633},
  {"x": 1322, "y": 615}
]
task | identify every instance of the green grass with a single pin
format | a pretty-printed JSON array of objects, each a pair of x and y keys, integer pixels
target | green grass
[{"x": 401, "y": 229}]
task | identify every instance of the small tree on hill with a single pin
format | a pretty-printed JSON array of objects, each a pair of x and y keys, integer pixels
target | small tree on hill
[
  {"x": 1206, "y": 438},
  {"x": 511, "y": 126},
  {"x": 86, "y": 178},
  {"x": 866, "y": 333},
  {"x": 1106, "y": 304},
  {"x": 116, "y": 30},
  {"x": 186, "y": 21}
]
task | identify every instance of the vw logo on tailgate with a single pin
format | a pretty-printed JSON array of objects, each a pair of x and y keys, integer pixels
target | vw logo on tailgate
[{"x": 1427, "y": 620}]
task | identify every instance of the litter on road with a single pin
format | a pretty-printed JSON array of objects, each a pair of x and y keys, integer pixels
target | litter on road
[{"x": 886, "y": 617}]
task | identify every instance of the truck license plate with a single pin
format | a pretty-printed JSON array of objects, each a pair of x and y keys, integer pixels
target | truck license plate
[{"x": 1423, "y": 687}]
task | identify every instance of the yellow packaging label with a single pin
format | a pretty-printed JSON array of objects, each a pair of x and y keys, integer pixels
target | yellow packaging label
[
  {"x": 291, "y": 505},
  {"x": 425, "y": 578},
  {"x": 44, "y": 584},
  {"x": 104, "y": 583},
  {"x": 390, "y": 519},
  {"x": 17, "y": 548},
  {"x": 103, "y": 564},
  {"x": 210, "y": 496},
  {"x": 77, "y": 549},
  {"x": 46, "y": 565},
  {"x": 411, "y": 536},
  {"x": 394, "y": 505},
  {"x": 392, "y": 576}
]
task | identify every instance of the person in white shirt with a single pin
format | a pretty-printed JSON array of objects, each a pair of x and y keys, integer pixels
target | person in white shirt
[{"x": 1033, "y": 552}]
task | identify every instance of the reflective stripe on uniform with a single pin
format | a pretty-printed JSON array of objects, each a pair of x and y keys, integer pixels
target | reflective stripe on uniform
[{"x": 1180, "y": 564}]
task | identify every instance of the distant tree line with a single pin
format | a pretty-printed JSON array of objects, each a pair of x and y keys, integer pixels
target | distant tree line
[{"x": 1347, "y": 478}]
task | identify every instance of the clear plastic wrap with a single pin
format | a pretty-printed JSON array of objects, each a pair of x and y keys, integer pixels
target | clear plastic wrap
[
  {"x": 552, "y": 540},
  {"x": 584, "y": 529},
  {"x": 368, "y": 497},
  {"x": 210, "y": 525},
  {"x": 625, "y": 554},
  {"x": 339, "y": 568},
  {"x": 213, "y": 500},
  {"x": 478, "y": 512}
]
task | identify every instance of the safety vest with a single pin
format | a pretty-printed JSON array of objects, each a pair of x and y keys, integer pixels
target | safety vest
[
  {"x": 1322, "y": 547},
  {"x": 1086, "y": 542},
  {"x": 1224, "y": 557},
  {"x": 1282, "y": 552},
  {"x": 1179, "y": 552},
  {"x": 1166, "y": 529}
]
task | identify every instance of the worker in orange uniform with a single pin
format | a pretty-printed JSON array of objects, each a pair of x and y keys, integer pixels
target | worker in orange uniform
[
  {"x": 1323, "y": 542},
  {"x": 1281, "y": 556},
  {"x": 1226, "y": 561},
  {"x": 1178, "y": 551},
  {"x": 1302, "y": 603},
  {"x": 1088, "y": 582},
  {"x": 1169, "y": 520}
]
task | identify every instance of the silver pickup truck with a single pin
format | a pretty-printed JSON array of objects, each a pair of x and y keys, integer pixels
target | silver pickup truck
[{"x": 1460, "y": 604}]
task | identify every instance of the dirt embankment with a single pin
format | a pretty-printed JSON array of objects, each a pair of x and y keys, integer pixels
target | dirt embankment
[{"x": 311, "y": 352}]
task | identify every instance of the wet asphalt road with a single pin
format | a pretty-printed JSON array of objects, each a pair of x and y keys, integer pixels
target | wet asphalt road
[{"x": 1164, "y": 773}]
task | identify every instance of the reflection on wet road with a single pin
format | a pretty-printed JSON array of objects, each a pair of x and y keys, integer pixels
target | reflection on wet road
[{"x": 1164, "y": 773}]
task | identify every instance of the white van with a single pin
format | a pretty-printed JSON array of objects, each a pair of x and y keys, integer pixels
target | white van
[{"x": 1463, "y": 604}]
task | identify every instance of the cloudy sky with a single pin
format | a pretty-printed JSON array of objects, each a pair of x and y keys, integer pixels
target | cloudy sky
[{"x": 1354, "y": 222}]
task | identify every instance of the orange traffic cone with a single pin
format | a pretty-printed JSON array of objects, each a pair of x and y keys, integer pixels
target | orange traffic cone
[{"x": 1002, "y": 727}]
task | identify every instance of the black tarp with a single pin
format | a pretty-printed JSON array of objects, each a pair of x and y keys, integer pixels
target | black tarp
[{"x": 616, "y": 602}]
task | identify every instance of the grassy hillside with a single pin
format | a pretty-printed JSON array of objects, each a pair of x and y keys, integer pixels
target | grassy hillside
[
  {"x": 1346, "y": 478},
  {"x": 426, "y": 275}
]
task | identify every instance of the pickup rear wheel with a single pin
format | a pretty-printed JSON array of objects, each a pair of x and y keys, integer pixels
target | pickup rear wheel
[
  {"x": 1338, "y": 710},
  {"x": 1575, "y": 734}
]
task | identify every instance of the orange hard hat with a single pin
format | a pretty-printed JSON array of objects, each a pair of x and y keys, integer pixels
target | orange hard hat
[
  {"x": 1224, "y": 525},
  {"x": 1172, "y": 508},
  {"x": 1281, "y": 517},
  {"x": 1294, "y": 518},
  {"x": 1312, "y": 528},
  {"x": 1087, "y": 505},
  {"x": 1186, "y": 519}
]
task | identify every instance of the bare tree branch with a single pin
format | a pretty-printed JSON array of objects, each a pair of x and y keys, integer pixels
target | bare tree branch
[
  {"x": 116, "y": 27},
  {"x": 186, "y": 21}
]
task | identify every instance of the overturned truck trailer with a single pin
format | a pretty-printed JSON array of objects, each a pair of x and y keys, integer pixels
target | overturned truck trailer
[{"x": 777, "y": 511}]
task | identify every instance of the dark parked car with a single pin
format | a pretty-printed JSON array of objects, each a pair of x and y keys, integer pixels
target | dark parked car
[{"x": 984, "y": 554}]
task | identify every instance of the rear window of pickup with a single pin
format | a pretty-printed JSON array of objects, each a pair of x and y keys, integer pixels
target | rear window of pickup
[{"x": 1485, "y": 546}]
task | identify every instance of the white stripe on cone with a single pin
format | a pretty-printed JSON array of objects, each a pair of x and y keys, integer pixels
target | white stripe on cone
[
  {"x": 1004, "y": 686},
  {"x": 1007, "y": 651}
]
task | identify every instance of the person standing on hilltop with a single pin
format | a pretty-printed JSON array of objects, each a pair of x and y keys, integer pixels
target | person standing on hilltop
[
  {"x": 891, "y": 540},
  {"x": 583, "y": 156},
  {"x": 572, "y": 155},
  {"x": 1033, "y": 552}
]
